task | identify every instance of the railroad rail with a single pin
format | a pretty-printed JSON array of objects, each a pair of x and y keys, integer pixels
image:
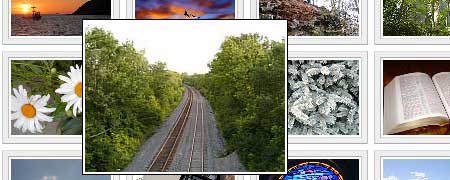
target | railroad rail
[
  {"x": 165, "y": 156},
  {"x": 197, "y": 158}
]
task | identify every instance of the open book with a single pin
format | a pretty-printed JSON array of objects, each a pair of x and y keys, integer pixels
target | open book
[{"x": 415, "y": 100}]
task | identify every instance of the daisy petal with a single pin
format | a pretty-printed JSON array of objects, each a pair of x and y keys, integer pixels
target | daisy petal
[
  {"x": 79, "y": 105},
  {"x": 46, "y": 110},
  {"x": 19, "y": 122},
  {"x": 67, "y": 98},
  {"x": 43, "y": 101},
  {"x": 16, "y": 93},
  {"x": 65, "y": 89},
  {"x": 22, "y": 91},
  {"x": 69, "y": 104},
  {"x": 66, "y": 79},
  {"x": 15, "y": 115},
  {"x": 74, "y": 110},
  {"x": 24, "y": 127},
  {"x": 38, "y": 126},
  {"x": 34, "y": 99},
  {"x": 43, "y": 117},
  {"x": 31, "y": 125}
]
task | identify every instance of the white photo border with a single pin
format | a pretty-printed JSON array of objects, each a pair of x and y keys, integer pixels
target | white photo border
[
  {"x": 237, "y": 177},
  {"x": 238, "y": 9},
  {"x": 380, "y": 138},
  {"x": 328, "y": 40},
  {"x": 8, "y": 56},
  {"x": 361, "y": 155},
  {"x": 286, "y": 51},
  {"x": 381, "y": 39},
  {"x": 381, "y": 155},
  {"x": 361, "y": 56},
  {"x": 40, "y": 154},
  {"x": 246, "y": 177},
  {"x": 8, "y": 39}
]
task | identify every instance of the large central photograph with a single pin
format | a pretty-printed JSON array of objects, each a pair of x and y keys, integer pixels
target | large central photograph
[{"x": 184, "y": 96}]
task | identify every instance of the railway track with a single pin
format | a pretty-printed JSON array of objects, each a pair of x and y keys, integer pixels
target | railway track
[
  {"x": 197, "y": 158},
  {"x": 161, "y": 162}
]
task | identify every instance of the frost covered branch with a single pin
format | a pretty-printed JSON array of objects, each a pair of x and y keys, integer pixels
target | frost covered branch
[{"x": 323, "y": 97}]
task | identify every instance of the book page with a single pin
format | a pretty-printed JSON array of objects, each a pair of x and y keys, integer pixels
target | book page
[
  {"x": 442, "y": 83},
  {"x": 419, "y": 97},
  {"x": 391, "y": 107}
]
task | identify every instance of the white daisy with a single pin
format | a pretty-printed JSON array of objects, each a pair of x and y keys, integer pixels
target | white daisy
[
  {"x": 29, "y": 111},
  {"x": 72, "y": 89}
]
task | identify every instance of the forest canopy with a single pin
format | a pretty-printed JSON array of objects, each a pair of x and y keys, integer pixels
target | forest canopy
[
  {"x": 416, "y": 17},
  {"x": 126, "y": 100},
  {"x": 245, "y": 87}
]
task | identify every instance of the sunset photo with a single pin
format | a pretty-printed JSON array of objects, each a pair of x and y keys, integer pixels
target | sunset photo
[
  {"x": 185, "y": 9},
  {"x": 55, "y": 17}
]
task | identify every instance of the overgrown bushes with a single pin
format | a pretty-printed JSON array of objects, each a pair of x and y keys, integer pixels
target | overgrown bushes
[
  {"x": 245, "y": 86},
  {"x": 416, "y": 17},
  {"x": 126, "y": 100}
]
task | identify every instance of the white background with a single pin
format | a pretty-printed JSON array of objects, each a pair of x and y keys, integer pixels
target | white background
[{"x": 370, "y": 48}]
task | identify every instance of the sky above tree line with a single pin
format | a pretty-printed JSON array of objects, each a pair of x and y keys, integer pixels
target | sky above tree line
[{"x": 186, "y": 45}]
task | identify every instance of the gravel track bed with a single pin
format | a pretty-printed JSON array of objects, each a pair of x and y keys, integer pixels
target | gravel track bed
[
  {"x": 215, "y": 143},
  {"x": 181, "y": 158},
  {"x": 214, "y": 140}
]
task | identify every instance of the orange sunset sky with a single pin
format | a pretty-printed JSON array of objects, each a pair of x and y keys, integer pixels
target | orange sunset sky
[{"x": 46, "y": 6}]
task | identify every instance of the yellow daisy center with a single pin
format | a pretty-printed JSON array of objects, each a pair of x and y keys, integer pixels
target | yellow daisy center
[
  {"x": 79, "y": 89},
  {"x": 28, "y": 111}
]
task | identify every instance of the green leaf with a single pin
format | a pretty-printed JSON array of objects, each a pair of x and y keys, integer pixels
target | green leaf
[
  {"x": 36, "y": 69},
  {"x": 71, "y": 126}
]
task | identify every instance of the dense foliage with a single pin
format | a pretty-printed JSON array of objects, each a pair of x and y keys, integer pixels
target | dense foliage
[
  {"x": 416, "y": 17},
  {"x": 314, "y": 18},
  {"x": 323, "y": 97},
  {"x": 126, "y": 100},
  {"x": 40, "y": 77},
  {"x": 245, "y": 86}
]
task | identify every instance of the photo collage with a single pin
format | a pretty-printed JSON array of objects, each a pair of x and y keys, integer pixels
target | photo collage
[{"x": 225, "y": 89}]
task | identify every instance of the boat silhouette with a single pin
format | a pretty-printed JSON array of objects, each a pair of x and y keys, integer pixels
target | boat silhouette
[{"x": 36, "y": 14}]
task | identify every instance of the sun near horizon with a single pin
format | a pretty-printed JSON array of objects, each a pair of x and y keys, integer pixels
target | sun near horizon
[
  {"x": 25, "y": 8},
  {"x": 46, "y": 6}
]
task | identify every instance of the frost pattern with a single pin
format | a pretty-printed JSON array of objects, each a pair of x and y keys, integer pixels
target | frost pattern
[{"x": 323, "y": 97}]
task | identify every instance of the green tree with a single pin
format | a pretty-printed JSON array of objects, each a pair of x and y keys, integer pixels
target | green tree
[
  {"x": 416, "y": 17},
  {"x": 126, "y": 100},
  {"x": 245, "y": 86}
]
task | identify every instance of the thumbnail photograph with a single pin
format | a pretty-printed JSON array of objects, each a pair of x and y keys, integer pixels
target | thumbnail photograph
[
  {"x": 416, "y": 97},
  {"x": 185, "y": 9},
  {"x": 319, "y": 169},
  {"x": 45, "y": 97},
  {"x": 323, "y": 96},
  {"x": 49, "y": 169},
  {"x": 415, "y": 169},
  {"x": 198, "y": 99},
  {"x": 54, "y": 17},
  {"x": 416, "y": 17},
  {"x": 315, "y": 17}
]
